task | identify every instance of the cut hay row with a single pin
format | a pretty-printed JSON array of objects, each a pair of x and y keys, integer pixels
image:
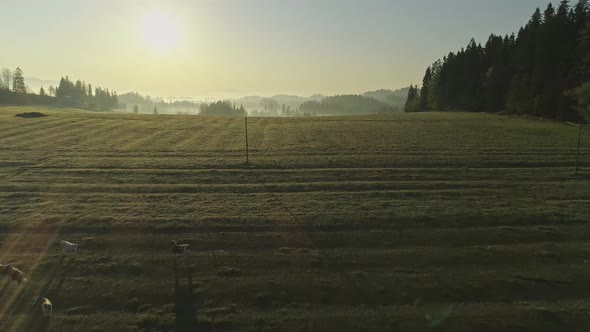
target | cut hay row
[{"x": 414, "y": 221}]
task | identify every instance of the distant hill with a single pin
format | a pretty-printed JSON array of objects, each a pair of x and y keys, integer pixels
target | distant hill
[
  {"x": 258, "y": 102},
  {"x": 346, "y": 105},
  {"x": 395, "y": 99},
  {"x": 370, "y": 102},
  {"x": 134, "y": 98},
  {"x": 35, "y": 84},
  {"x": 146, "y": 104}
]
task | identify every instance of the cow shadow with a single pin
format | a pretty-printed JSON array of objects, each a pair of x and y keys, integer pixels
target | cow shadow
[
  {"x": 39, "y": 323},
  {"x": 67, "y": 270},
  {"x": 185, "y": 308},
  {"x": 50, "y": 289},
  {"x": 51, "y": 276},
  {"x": 5, "y": 286},
  {"x": 13, "y": 309}
]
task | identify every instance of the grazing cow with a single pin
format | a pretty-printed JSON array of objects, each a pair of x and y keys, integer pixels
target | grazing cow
[
  {"x": 16, "y": 275},
  {"x": 46, "y": 306},
  {"x": 179, "y": 248},
  {"x": 67, "y": 246},
  {"x": 4, "y": 269}
]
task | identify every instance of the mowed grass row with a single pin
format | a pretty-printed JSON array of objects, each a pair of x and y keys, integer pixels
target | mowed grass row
[
  {"x": 413, "y": 140},
  {"x": 130, "y": 277},
  {"x": 324, "y": 197},
  {"x": 371, "y": 209},
  {"x": 446, "y": 221}
]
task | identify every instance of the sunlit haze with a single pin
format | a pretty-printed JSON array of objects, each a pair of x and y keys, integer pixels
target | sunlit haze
[
  {"x": 229, "y": 48},
  {"x": 162, "y": 32}
]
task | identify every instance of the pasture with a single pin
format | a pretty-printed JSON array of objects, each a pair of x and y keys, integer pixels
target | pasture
[{"x": 409, "y": 222}]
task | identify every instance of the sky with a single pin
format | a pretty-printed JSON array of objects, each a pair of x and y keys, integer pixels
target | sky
[{"x": 231, "y": 48}]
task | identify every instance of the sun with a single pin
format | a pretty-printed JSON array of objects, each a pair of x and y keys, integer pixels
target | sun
[{"x": 161, "y": 32}]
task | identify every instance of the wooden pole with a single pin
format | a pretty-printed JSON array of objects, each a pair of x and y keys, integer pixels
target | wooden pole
[
  {"x": 579, "y": 143},
  {"x": 190, "y": 275},
  {"x": 178, "y": 304},
  {"x": 176, "y": 277},
  {"x": 246, "y": 125}
]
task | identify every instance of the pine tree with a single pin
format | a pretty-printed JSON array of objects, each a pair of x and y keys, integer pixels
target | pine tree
[
  {"x": 521, "y": 97},
  {"x": 582, "y": 97},
  {"x": 527, "y": 73},
  {"x": 5, "y": 78},
  {"x": 580, "y": 14},
  {"x": 424, "y": 92},
  {"x": 41, "y": 92},
  {"x": 18, "y": 81},
  {"x": 413, "y": 101}
]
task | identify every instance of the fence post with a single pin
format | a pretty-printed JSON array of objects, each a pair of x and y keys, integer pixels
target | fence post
[
  {"x": 247, "y": 152},
  {"x": 578, "y": 153}
]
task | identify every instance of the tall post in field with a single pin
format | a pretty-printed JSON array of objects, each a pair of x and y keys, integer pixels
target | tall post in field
[
  {"x": 578, "y": 153},
  {"x": 246, "y": 125}
]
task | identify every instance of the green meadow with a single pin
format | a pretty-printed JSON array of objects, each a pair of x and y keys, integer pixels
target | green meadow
[{"x": 405, "y": 222}]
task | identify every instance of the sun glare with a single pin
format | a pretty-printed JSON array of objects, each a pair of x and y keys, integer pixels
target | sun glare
[{"x": 161, "y": 32}]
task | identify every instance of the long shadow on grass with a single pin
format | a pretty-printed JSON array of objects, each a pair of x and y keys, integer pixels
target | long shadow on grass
[
  {"x": 66, "y": 272},
  {"x": 4, "y": 287},
  {"x": 12, "y": 309},
  {"x": 52, "y": 275},
  {"x": 39, "y": 322},
  {"x": 186, "y": 318}
]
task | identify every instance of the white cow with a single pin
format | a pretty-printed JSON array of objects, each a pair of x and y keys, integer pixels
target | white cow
[
  {"x": 179, "y": 248},
  {"x": 13, "y": 273},
  {"x": 67, "y": 247},
  {"x": 46, "y": 306}
]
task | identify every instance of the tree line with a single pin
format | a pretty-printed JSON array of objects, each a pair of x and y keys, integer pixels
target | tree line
[
  {"x": 13, "y": 90},
  {"x": 345, "y": 105},
  {"x": 79, "y": 94},
  {"x": 222, "y": 108},
  {"x": 535, "y": 72},
  {"x": 133, "y": 101}
]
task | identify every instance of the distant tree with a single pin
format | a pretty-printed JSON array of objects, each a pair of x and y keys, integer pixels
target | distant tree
[
  {"x": 155, "y": 110},
  {"x": 41, "y": 92},
  {"x": 496, "y": 63},
  {"x": 89, "y": 90},
  {"x": 413, "y": 101},
  {"x": 18, "y": 81},
  {"x": 426, "y": 82},
  {"x": 135, "y": 109},
  {"x": 51, "y": 91},
  {"x": 64, "y": 88},
  {"x": 221, "y": 108},
  {"x": 269, "y": 104},
  {"x": 79, "y": 92},
  {"x": 581, "y": 95},
  {"x": 345, "y": 105},
  {"x": 521, "y": 97},
  {"x": 5, "y": 78},
  {"x": 433, "y": 94}
]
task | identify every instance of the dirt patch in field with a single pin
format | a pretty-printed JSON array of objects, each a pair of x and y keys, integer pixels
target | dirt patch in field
[{"x": 30, "y": 115}]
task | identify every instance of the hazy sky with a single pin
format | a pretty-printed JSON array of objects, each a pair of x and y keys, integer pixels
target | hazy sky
[{"x": 240, "y": 47}]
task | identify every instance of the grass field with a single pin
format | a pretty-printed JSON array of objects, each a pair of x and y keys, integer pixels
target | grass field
[{"x": 408, "y": 222}]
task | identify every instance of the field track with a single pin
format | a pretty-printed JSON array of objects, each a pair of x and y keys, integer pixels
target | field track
[{"x": 409, "y": 222}]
